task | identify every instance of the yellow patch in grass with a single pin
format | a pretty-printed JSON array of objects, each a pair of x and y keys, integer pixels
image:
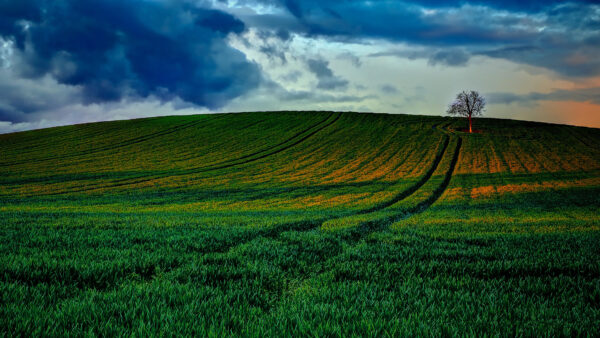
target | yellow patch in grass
[{"x": 488, "y": 191}]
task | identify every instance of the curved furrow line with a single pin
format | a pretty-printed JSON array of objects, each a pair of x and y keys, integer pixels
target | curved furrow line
[
  {"x": 576, "y": 134},
  {"x": 105, "y": 174},
  {"x": 396, "y": 166},
  {"x": 270, "y": 150},
  {"x": 315, "y": 223},
  {"x": 382, "y": 213},
  {"x": 29, "y": 146},
  {"x": 103, "y": 148},
  {"x": 265, "y": 149},
  {"x": 404, "y": 193},
  {"x": 378, "y": 224},
  {"x": 412, "y": 189},
  {"x": 267, "y": 154},
  {"x": 129, "y": 142},
  {"x": 354, "y": 234},
  {"x": 159, "y": 175},
  {"x": 424, "y": 205},
  {"x": 224, "y": 165},
  {"x": 382, "y": 149}
]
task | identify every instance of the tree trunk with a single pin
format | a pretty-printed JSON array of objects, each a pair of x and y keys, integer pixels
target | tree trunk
[{"x": 470, "y": 124}]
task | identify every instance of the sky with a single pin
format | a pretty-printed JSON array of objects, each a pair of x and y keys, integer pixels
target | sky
[{"x": 75, "y": 61}]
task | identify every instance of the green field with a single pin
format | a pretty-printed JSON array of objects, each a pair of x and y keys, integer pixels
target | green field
[{"x": 300, "y": 223}]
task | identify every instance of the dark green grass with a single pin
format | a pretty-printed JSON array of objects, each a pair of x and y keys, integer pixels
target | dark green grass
[
  {"x": 217, "y": 226},
  {"x": 183, "y": 280}
]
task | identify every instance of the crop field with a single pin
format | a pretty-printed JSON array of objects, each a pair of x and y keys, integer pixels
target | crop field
[{"x": 300, "y": 223}]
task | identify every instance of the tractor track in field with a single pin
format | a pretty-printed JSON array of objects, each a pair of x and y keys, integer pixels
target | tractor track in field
[
  {"x": 405, "y": 124},
  {"x": 126, "y": 143},
  {"x": 406, "y": 193},
  {"x": 356, "y": 234},
  {"x": 359, "y": 232},
  {"x": 424, "y": 205},
  {"x": 367, "y": 228},
  {"x": 396, "y": 166},
  {"x": 258, "y": 155},
  {"x": 364, "y": 229},
  {"x": 352, "y": 236}
]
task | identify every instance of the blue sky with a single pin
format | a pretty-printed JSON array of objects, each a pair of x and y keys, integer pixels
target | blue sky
[{"x": 72, "y": 61}]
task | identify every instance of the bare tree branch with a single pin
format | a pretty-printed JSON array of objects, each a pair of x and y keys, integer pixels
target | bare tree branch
[{"x": 467, "y": 104}]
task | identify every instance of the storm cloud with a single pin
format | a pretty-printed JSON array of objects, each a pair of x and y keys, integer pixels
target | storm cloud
[
  {"x": 113, "y": 49},
  {"x": 560, "y": 36},
  {"x": 327, "y": 80}
]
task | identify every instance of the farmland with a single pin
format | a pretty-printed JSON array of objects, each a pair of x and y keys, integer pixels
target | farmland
[{"x": 300, "y": 223}]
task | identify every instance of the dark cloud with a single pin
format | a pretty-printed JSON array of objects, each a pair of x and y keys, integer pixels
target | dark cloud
[
  {"x": 509, "y": 51},
  {"x": 564, "y": 57},
  {"x": 389, "y": 89},
  {"x": 393, "y": 20},
  {"x": 312, "y": 97},
  {"x": 274, "y": 89},
  {"x": 452, "y": 57},
  {"x": 591, "y": 95},
  {"x": 21, "y": 97},
  {"x": 283, "y": 34},
  {"x": 292, "y": 76},
  {"x": 218, "y": 21},
  {"x": 528, "y": 6},
  {"x": 273, "y": 52},
  {"x": 279, "y": 34},
  {"x": 273, "y": 43},
  {"x": 114, "y": 48},
  {"x": 567, "y": 42},
  {"x": 354, "y": 59},
  {"x": 556, "y": 35},
  {"x": 301, "y": 8},
  {"x": 327, "y": 80}
]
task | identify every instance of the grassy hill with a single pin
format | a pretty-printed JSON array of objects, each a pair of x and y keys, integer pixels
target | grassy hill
[{"x": 319, "y": 223}]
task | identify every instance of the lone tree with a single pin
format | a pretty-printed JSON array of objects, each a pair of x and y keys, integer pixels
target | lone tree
[{"x": 467, "y": 104}]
